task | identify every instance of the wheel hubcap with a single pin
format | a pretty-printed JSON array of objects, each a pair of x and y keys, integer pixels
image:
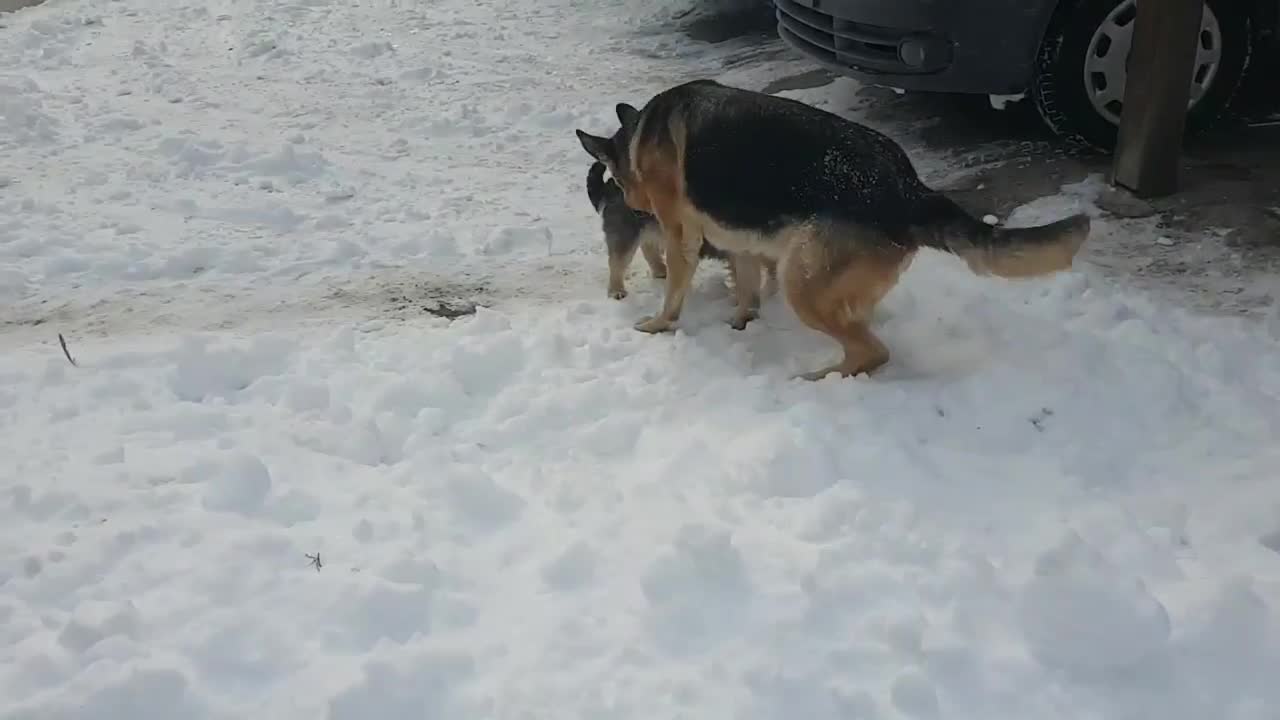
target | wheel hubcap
[{"x": 1104, "y": 66}]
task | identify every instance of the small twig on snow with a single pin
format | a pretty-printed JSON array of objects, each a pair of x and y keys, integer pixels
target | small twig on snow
[
  {"x": 315, "y": 561},
  {"x": 1038, "y": 420},
  {"x": 63, "y": 342}
]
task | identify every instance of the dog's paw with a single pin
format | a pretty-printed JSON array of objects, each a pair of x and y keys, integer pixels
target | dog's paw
[
  {"x": 816, "y": 375},
  {"x": 741, "y": 320},
  {"x": 657, "y": 324},
  {"x": 618, "y": 293}
]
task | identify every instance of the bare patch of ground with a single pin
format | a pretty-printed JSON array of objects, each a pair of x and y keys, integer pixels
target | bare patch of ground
[{"x": 8, "y": 6}]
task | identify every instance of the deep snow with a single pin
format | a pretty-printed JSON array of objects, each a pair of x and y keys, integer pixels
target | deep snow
[{"x": 1060, "y": 500}]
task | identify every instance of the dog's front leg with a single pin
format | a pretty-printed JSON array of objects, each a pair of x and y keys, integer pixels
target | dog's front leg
[
  {"x": 746, "y": 288},
  {"x": 682, "y": 261}
]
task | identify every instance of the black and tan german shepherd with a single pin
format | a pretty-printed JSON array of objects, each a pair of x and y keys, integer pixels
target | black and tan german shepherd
[{"x": 837, "y": 204}]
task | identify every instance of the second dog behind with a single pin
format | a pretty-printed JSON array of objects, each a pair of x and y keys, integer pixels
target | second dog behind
[{"x": 626, "y": 230}]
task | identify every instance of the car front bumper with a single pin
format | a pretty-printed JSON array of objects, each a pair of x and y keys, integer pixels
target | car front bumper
[{"x": 962, "y": 46}]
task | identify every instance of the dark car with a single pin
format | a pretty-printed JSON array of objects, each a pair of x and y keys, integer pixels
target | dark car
[{"x": 1068, "y": 55}]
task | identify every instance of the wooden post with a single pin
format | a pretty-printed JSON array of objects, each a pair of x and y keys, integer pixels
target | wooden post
[{"x": 1166, "y": 35}]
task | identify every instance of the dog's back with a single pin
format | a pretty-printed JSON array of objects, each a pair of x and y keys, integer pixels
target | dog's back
[{"x": 758, "y": 162}]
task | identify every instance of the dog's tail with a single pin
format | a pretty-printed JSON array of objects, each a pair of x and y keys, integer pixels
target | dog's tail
[
  {"x": 595, "y": 185},
  {"x": 1004, "y": 252}
]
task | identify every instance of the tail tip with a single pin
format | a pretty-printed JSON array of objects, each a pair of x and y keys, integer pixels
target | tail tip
[{"x": 1032, "y": 251}]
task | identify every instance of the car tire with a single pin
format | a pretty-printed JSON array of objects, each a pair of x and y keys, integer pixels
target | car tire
[{"x": 1068, "y": 101}]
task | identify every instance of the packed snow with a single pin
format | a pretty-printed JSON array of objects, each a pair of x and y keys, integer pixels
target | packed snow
[{"x": 281, "y": 480}]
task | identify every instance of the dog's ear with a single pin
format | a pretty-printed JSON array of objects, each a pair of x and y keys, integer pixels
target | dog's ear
[
  {"x": 597, "y": 147},
  {"x": 628, "y": 116}
]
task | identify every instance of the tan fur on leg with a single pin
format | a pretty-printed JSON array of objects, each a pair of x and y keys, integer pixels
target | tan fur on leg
[
  {"x": 660, "y": 192},
  {"x": 682, "y": 262},
  {"x": 863, "y": 353},
  {"x": 658, "y": 188},
  {"x": 836, "y": 294},
  {"x": 746, "y": 288},
  {"x": 650, "y": 245}
]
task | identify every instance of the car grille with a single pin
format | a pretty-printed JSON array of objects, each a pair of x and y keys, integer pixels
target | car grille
[{"x": 841, "y": 42}]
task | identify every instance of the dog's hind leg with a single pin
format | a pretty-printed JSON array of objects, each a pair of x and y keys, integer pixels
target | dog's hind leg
[{"x": 835, "y": 291}]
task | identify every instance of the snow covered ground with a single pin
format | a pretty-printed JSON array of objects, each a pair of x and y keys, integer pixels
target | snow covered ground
[{"x": 1060, "y": 500}]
